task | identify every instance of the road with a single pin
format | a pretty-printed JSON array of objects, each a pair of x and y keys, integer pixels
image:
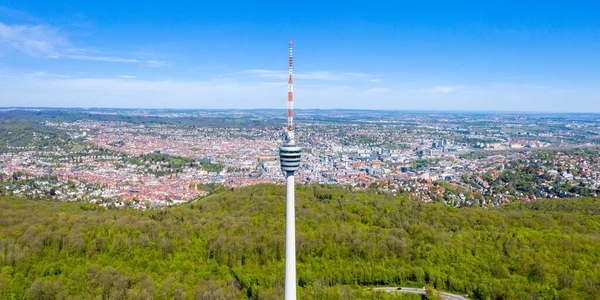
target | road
[{"x": 444, "y": 296}]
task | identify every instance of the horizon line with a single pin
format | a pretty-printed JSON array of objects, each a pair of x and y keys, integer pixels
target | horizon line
[{"x": 5, "y": 108}]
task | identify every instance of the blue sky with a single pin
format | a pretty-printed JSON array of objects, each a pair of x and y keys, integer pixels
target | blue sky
[{"x": 423, "y": 55}]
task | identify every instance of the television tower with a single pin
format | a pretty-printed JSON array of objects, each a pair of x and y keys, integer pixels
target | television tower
[{"x": 289, "y": 156}]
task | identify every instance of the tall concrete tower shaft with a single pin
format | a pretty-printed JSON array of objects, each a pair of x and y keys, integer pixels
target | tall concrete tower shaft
[{"x": 289, "y": 156}]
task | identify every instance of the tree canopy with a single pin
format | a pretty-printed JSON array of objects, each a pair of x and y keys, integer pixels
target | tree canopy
[{"x": 231, "y": 246}]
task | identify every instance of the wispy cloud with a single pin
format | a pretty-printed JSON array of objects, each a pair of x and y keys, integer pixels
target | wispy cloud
[
  {"x": 126, "y": 91},
  {"x": 259, "y": 73},
  {"x": 127, "y": 76},
  {"x": 43, "y": 40},
  {"x": 155, "y": 63},
  {"x": 314, "y": 75},
  {"x": 379, "y": 90},
  {"x": 440, "y": 89},
  {"x": 115, "y": 59},
  {"x": 44, "y": 89},
  {"x": 33, "y": 75},
  {"x": 102, "y": 58},
  {"x": 8, "y": 13},
  {"x": 32, "y": 40}
]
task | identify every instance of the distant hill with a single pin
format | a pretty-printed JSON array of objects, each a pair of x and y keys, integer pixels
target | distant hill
[
  {"x": 231, "y": 245},
  {"x": 18, "y": 116}
]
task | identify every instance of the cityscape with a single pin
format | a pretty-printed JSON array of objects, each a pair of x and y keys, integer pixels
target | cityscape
[{"x": 458, "y": 159}]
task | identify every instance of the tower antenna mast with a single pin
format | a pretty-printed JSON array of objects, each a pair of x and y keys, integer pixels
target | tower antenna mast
[{"x": 290, "y": 127}]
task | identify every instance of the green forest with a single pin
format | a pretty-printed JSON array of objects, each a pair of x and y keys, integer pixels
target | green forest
[{"x": 230, "y": 245}]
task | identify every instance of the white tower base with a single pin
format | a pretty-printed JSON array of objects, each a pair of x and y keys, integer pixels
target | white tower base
[{"x": 290, "y": 240}]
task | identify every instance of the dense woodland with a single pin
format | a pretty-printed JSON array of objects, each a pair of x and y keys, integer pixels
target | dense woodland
[{"x": 230, "y": 245}]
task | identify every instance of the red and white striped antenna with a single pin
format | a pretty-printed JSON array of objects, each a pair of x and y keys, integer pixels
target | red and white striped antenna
[{"x": 290, "y": 128}]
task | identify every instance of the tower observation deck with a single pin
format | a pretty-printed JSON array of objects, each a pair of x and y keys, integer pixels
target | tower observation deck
[{"x": 290, "y": 155}]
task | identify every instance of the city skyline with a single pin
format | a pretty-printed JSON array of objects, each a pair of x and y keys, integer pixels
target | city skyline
[{"x": 467, "y": 57}]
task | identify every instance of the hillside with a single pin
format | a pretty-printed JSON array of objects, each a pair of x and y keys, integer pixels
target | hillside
[{"x": 231, "y": 245}]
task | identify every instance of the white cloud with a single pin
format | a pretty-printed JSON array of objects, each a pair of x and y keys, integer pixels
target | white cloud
[
  {"x": 34, "y": 75},
  {"x": 6, "y": 12},
  {"x": 45, "y": 75},
  {"x": 42, "y": 40},
  {"x": 260, "y": 73},
  {"x": 314, "y": 75},
  {"x": 43, "y": 89},
  {"x": 116, "y": 59},
  {"x": 321, "y": 75},
  {"x": 443, "y": 89},
  {"x": 102, "y": 58},
  {"x": 379, "y": 90},
  {"x": 132, "y": 92},
  {"x": 76, "y": 50},
  {"x": 155, "y": 63},
  {"x": 31, "y": 40},
  {"x": 325, "y": 75},
  {"x": 355, "y": 75},
  {"x": 127, "y": 76}
]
